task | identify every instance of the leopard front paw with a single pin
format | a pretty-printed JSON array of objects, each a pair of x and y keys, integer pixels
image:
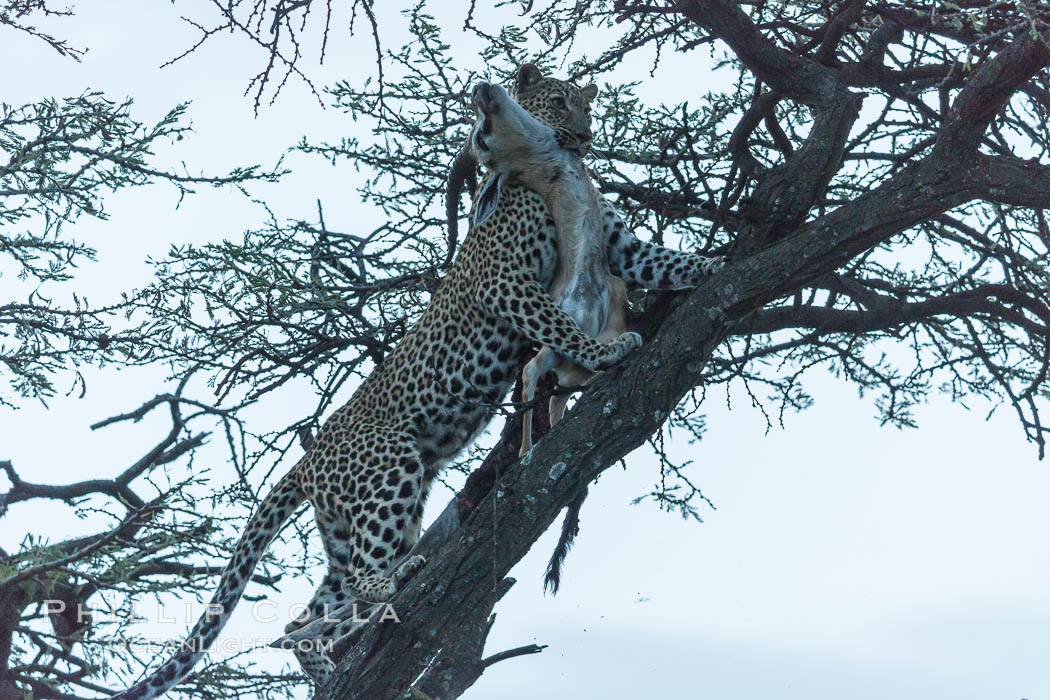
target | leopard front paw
[
  {"x": 713, "y": 265},
  {"x": 616, "y": 350}
]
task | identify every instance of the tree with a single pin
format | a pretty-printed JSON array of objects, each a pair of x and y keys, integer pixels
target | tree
[
  {"x": 64, "y": 604},
  {"x": 876, "y": 170}
]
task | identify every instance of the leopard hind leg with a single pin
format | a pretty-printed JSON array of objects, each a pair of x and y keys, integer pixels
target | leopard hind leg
[
  {"x": 386, "y": 507},
  {"x": 312, "y": 653}
]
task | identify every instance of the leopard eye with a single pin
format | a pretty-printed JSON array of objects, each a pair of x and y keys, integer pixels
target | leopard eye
[{"x": 558, "y": 102}]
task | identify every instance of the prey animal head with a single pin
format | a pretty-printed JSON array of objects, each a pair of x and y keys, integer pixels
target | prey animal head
[{"x": 506, "y": 140}]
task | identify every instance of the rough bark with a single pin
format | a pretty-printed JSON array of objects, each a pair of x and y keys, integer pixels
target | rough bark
[{"x": 624, "y": 407}]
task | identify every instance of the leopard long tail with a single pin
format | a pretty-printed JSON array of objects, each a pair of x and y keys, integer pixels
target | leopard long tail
[{"x": 275, "y": 509}]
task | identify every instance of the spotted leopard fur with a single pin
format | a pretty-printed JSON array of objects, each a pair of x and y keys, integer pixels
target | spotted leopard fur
[
  {"x": 566, "y": 108},
  {"x": 373, "y": 461}
]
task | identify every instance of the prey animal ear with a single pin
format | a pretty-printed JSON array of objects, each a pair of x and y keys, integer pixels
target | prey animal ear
[
  {"x": 528, "y": 76},
  {"x": 589, "y": 93},
  {"x": 488, "y": 198}
]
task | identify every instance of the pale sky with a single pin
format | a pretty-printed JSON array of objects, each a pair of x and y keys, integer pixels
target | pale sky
[{"x": 843, "y": 560}]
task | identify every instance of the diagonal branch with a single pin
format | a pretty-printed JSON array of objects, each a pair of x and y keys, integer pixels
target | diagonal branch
[
  {"x": 990, "y": 88},
  {"x": 785, "y": 195},
  {"x": 622, "y": 410},
  {"x": 798, "y": 77},
  {"x": 1004, "y": 180},
  {"x": 168, "y": 450}
]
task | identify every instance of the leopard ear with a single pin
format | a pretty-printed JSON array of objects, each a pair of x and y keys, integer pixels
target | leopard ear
[
  {"x": 488, "y": 198},
  {"x": 528, "y": 76},
  {"x": 589, "y": 93}
]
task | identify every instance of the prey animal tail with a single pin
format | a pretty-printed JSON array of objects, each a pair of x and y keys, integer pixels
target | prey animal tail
[{"x": 570, "y": 527}]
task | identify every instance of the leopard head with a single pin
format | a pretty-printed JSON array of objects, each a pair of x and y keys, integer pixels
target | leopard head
[{"x": 559, "y": 104}]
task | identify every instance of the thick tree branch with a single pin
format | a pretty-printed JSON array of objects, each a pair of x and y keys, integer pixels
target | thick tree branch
[
  {"x": 621, "y": 411},
  {"x": 459, "y": 664},
  {"x": 988, "y": 91},
  {"x": 1004, "y": 180},
  {"x": 798, "y": 77},
  {"x": 786, "y": 194}
]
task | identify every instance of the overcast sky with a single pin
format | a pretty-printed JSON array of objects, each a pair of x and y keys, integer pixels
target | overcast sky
[{"x": 843, "y": 560}]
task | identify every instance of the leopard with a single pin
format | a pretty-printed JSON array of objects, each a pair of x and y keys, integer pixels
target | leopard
[
  {"x": 373, "y": 461},
  {"x": 637, "y": 263}
]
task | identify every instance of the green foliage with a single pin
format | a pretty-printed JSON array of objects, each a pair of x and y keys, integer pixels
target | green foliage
[{"x": 62, "y": 157}]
